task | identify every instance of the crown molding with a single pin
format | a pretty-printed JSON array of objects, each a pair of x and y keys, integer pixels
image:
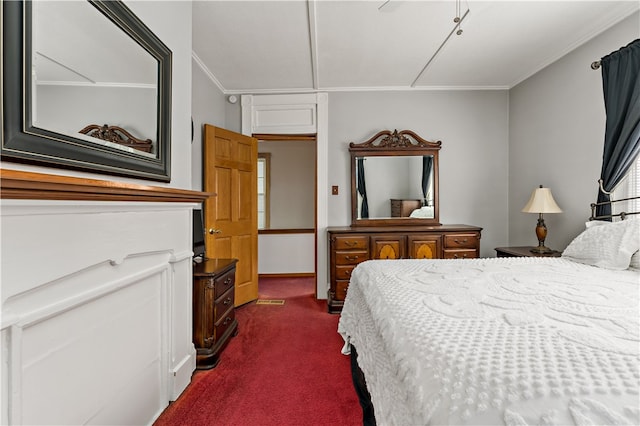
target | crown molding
[{"x": 208, "y": 73}]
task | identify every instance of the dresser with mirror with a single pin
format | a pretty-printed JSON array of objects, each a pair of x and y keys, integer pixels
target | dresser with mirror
[{"x": 394, "y": 210}]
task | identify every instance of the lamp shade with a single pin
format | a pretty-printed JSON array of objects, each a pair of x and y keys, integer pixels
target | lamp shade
[{"x": 541, "y": 201}]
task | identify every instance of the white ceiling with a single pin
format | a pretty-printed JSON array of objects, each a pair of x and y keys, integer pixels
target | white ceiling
[{"x": 304, "y": 45}]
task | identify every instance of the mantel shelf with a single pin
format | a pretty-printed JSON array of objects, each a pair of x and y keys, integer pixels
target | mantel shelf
[{"x": 40, "y": 186}]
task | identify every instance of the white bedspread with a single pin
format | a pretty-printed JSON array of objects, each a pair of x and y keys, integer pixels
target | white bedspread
[{"x": 510, "y": 341}]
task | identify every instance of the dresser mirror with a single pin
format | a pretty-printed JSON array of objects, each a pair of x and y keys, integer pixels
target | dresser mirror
[
  {"x": 86, "y": 85},
  {"x": 394, "y": 180}
]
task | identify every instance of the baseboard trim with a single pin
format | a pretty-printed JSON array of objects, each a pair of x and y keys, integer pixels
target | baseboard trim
[
  {"x": 289, "y": 275},
  {"x": 181, "y": 376}
]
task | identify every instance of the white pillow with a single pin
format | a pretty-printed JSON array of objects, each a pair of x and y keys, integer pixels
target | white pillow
[
  {"x": 591, "y": 223},
  {"x": 635, "y": 261},
  {"x": 607, "y": 245}
]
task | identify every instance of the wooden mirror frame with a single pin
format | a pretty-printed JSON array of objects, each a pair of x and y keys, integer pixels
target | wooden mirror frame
[
  {"x": 23, "y": 142},
  {"x": 394, "y": 143}
]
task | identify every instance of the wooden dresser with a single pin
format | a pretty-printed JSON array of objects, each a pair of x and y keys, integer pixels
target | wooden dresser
[
  {"x": 214, "y": 320},
  {"x": 349, "y": 246}
]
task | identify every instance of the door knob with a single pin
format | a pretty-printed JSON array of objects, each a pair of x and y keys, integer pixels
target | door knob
[{"x": 215, "y": 231}]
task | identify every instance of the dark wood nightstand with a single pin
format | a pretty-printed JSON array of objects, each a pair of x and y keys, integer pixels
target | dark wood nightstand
[
  {"x": 214, "y": 319},
  {"x": 523, "y": 252}
]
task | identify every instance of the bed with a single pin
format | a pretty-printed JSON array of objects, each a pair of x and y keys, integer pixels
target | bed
[{"x": 512, "y": 341}]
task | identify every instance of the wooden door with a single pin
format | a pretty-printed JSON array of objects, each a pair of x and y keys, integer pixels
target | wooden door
[{"x": 231, "y": 216}]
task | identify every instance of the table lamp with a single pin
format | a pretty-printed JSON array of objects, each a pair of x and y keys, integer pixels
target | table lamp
[{"x": 541, "y": 201}]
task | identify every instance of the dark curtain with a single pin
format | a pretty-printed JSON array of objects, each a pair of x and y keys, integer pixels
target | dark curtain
[
  {"x": 621, "y": 86},
  {"x": 427, "y": 166},
  {"x": 362, "y": 189}
]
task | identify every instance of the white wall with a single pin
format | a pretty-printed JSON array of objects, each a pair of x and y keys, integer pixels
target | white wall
[
  {"x": 556, "y": 136},
  {"x": 96, "y": 311},
  {"x": 472, "y": 126},
  {"x": 102, "y": 287},
  {"x": 286, "y": 254}
]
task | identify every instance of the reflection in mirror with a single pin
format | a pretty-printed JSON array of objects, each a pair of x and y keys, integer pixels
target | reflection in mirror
[
  {"x": 87, "y": 71},
  {"x": 394, "y": 180},
  {"x": 395, "y": 186}
]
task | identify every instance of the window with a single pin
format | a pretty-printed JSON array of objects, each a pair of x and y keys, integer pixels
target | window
[
  {"x": 629, "y": 187},
  {"x": 264, "y": 160}
]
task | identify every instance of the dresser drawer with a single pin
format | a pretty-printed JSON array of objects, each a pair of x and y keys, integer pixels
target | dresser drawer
[
  {"x": 352, "y": 257},
  {"x": 461, "y": 241},
  {"x": 224, "y": 282},
  {"x": 344, "y": 272},
  {"x": 460, "y": 254},
  {"x": 341, "y": 289},
  {"x": 351, "y": 242}
]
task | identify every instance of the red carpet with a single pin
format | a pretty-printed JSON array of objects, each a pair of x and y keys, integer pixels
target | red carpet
[{"x": 283, "y": 368}]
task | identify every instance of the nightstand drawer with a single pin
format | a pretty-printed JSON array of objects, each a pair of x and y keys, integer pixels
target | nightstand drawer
[
  {"x": 223, "y": 303},
  {"x": 224, "y": 323},
  {"x": 224, "y": 282},
  {"x": 523, "y": 251}
]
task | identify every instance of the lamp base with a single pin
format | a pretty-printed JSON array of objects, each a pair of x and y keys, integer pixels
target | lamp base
[{"x": 542, "y": 250}]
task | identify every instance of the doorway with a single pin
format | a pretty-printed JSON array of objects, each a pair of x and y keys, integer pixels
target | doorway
[{"x": 287, "y": 237}]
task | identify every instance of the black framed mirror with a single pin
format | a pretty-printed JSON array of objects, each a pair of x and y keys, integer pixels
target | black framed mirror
[
  {"x": 85, "y": 86},
  {"x": 394, "y": 180}
]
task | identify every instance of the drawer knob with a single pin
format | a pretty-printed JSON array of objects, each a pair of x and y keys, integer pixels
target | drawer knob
[
  {"x": 227, "y": 301},
  {"x": 458, "y": 242},
  {"x": 351, "y": 257},
  {"x": 350, "y": 243},
  {"x": 227, "y": 320},
  {"x": 227, "y": 281}
]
